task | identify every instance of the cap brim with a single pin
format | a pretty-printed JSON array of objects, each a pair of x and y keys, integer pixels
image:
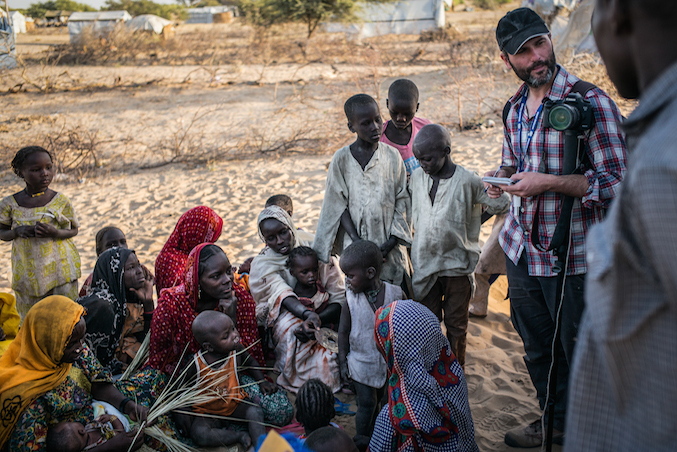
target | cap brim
[{"x": 517, "y": 41}]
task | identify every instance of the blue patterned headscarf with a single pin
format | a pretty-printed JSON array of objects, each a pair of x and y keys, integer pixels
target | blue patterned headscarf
[{"x": 427, "y": 395}]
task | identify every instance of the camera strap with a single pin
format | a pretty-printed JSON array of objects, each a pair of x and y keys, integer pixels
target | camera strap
[{"x": 560, "y": 236}]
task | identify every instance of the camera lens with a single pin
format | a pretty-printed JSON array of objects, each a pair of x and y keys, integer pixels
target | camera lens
[{"x": 563, "y": 117}]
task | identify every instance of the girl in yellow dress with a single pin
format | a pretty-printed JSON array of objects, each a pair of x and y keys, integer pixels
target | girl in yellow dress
[{"x": 41, "y": 224}]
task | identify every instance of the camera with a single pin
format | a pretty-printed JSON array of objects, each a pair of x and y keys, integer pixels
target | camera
[{"x": 572, "y": 113}]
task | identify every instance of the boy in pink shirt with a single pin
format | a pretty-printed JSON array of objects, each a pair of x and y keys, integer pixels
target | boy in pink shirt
[{"x": 400, "y": 130}]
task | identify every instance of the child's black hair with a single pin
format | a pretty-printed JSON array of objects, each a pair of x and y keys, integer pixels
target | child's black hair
[
  {"x": 314, "y": 405},
  {"x": 355, "y": 102},
  {"x": 59, "y": 440},
  {"x": 365, "y": 254},
  {"x": 23, "y": 154},
  {"x": 205, "y": 253},
  {"x": 300, "y": 251},
  {"x": 283, "y": 201},
  {"x": 403, "y": 89},
  {"x": 99, "y": 238}
]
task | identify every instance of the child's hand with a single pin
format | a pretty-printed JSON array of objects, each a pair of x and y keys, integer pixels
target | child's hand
[
  {"x": 268, "y": 387},
  {"x": 388, "y": 246},
  {"x": 345, "y": 372},
  {"x": 145, "y": 294},
  {"x": 45, "y": 230},
  {"x": 228, "y": 307},
  {"x": 148, "y": 275},
  {"x": 103, "y": 418},
  {"x": 24, "y": 232},
  {"x": 3, "y": 336}
]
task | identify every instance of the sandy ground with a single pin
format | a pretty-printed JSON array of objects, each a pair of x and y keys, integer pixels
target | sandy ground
[
  {"x": 147, "y": 204},
  {"x": 135, "y": 114}
]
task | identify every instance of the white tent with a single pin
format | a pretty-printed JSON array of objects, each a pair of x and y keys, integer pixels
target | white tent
[
  {"x": 18, "y": 21},
  {"x": 148, "y": 22},
  {"x": 99, "y": 21},
  {"x": 403, "y": 17}
]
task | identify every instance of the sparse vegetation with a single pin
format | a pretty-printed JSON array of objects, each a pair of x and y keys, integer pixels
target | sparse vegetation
[
  {"x": 37, "y": 10},
  {"x": 138, "y": 7},
  {"x": 264, "y": 13}
]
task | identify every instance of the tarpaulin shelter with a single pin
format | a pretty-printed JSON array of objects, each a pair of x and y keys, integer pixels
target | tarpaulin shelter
[
  {"x": 101, "y": 22},
  {"x": 403, "y": 17}
]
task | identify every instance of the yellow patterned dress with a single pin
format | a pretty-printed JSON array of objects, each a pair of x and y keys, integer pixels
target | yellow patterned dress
[{"x": 42, "y": 266}]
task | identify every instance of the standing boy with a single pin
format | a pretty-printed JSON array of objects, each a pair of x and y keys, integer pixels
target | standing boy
[
  {"x": 533, "y": 157},
  {"x": 446, "y": 205},
  {"x": 366, "y": 195}
]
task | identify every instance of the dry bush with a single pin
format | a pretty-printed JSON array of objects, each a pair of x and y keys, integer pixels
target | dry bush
[
  {"x": 119, "y": 45},
  {"x": 591, "y": 68},
  {"x": 76, "y": 149}
]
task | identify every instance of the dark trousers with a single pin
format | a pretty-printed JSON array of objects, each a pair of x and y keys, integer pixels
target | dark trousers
[
  {"x": 533, "y": 308},
  {"x": 452, "y": 293}
]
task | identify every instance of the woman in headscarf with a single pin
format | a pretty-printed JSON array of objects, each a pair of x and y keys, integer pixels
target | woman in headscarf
[
  {"x": 299, "y": 356},
  {"x": 207, "y": 284},
  {"x": 427, "y": 394},
  {"x": 49, "y": 375},
  {"x": 119, "y": 308},
  {"x": 198, "y": 225}
]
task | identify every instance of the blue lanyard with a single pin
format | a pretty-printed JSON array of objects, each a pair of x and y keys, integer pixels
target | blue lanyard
[{"x": 530, "y": 134}]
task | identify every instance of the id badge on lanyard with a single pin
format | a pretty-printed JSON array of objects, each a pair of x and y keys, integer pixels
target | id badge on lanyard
[{"x": 524, "y": 153}]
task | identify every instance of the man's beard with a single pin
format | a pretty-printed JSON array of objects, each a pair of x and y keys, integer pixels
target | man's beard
[{"x": 534, "y": 81}]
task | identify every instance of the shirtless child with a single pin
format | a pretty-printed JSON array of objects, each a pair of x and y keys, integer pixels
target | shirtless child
[
  {"x": 217, "y": 364},
  {"x": 447, "y": 204},
  {"x": 366, "y": 194}
]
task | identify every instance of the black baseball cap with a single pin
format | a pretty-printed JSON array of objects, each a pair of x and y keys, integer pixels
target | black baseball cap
[{"x": 517, "y": 27}]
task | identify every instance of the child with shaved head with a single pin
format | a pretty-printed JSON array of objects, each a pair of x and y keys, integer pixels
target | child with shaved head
[
  {"x": 447, "y": 204},
  {"x": 217, "y": 364}
]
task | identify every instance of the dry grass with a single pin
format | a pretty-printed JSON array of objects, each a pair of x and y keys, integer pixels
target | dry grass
[{"x": 464, "y": 53}]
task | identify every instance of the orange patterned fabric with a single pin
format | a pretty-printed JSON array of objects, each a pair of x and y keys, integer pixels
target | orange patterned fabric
[{"x": 224, "y": 382}]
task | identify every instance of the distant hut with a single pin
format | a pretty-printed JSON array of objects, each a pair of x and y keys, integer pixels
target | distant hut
[
  {"x": 100, "y": 22},
  {"x": 403, "y": 17},
  {"x": 211, "y": 14},
  {"x": 56, "y": 18}
]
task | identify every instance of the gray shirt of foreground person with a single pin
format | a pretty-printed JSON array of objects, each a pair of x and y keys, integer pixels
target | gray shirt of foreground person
[{"x": 622, "y": 393}]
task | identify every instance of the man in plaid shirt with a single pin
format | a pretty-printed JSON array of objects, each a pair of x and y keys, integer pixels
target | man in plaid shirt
[{"x": 533, "y": 159}]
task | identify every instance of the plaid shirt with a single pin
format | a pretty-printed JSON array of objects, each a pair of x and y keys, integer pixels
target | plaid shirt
[{"x": 605, "y": 147}]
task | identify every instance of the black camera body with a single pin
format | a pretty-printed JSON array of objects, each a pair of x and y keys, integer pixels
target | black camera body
[{"x": 572, "y": 113}]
